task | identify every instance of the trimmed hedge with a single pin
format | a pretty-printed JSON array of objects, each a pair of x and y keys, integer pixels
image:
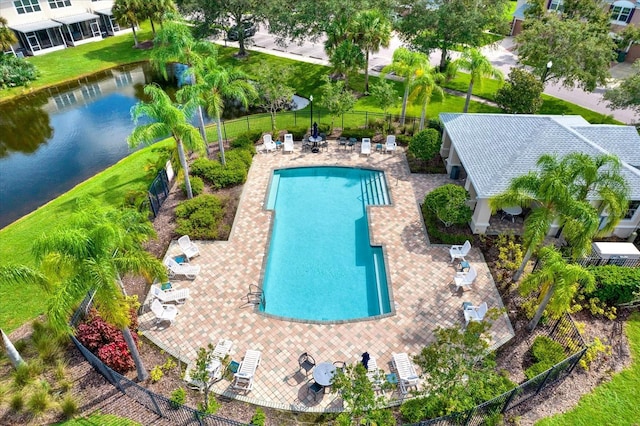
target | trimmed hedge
[
  {"x": 425, "y": 144},
  {"x": 219, "y": 176},
  {"x": 197, "y": 186},
  {"x": 615, "y": 284},
  {"x": 246, "y": 141},
  {"x": 431, "y": 223},
  {"x": 200, "y": 217},
  {"x": 547, "y": 353},
  {"x": 358, "y": 133}
]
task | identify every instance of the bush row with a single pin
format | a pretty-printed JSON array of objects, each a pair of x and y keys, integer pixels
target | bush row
[
  {"x": 219, "y": 176},
  {"x": 200, "y": 217},
  {"x": 615, "y": 284}
]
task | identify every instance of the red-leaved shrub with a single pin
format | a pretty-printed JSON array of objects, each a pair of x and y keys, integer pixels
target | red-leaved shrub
[{"x": 116, "y": 355}]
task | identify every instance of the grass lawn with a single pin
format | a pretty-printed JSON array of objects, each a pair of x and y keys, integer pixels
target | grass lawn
[
  {"x": 615, "y": 402},
  {"x": 96, "y": 419}
]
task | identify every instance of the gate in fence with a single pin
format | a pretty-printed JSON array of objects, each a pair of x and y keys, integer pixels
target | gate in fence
[{"x": 158, "y": 191}]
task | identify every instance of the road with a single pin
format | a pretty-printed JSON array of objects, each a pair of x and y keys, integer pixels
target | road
[{"x": 501, "y": 56}]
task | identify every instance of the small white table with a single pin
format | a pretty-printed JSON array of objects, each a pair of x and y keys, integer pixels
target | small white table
[
  {"x": 323, "y": 373},
  {"x": 315, "y": 142},
  {"x": 512, "y": 212},
  {"x": 215, "y": 369}
]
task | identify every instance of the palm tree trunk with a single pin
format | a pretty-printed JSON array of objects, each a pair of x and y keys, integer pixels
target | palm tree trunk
[
  {"x": 203, "y": 132},
  {"x": 135, "y": 37},
  {"x": 469, "y": 92},
  {"x": 220, "y": 140},
  {"x": 366, "y": 73},
  {"x": 520, "y": 270},
  {"x": 12, "y": 353},
  {"x": 153, "y": 27},
  {"x": 543, "y": 305},
  {"x": 404, "y": 101},
  {"x": 185, "y": 168},
  {"x": 133, "y": 349},
  {"x": 423, "y": 115}
]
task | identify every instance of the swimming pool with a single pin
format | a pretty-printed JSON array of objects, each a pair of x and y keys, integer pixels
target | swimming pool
[{"x": 321, "y": 265}]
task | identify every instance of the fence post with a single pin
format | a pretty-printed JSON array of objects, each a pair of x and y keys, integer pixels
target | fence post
[
  {"x": 366, "y": 119},
  {"x": 554, "y": 327},
  {"x": 295, "y": 118},
  {"x": 541, "y": 386},
  {"x": 224, "y": 128},
  {"x": 577, "y": 361},
  {"x": 248, "y": 124},
  {"x": 155, "y": 404},
  {"x": 468, "y": 418},
  {"x": 508, "y": 401}
]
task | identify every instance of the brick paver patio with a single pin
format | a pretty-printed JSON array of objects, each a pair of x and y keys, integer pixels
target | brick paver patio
[{"x": 420, "y": 276}]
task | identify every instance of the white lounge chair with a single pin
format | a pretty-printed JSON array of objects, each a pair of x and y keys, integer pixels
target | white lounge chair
[
  {"x": 365, "y": 146},
  {"x": 464, "y": 280},
  {"x": 374, "y": 374},
  {"x": 175, "y": 268},
  {"x": 391, "y": 145},
  {"x": 188, "y": 248},
  {"x": 407, "y": 375},
  {"x": 243, "y": 379},
  {"x": 475, "y": 313},
  {"x": 222, "y": 349},
  {"x": 288, "y": 143},
  {"x": 163, "y": 312},
  {"x": 459, "y": 252},
  {"x": 178, "y": 295},
  {"x": 268, "y": 143}
]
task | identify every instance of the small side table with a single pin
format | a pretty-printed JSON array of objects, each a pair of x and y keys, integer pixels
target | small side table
[
  {"x": 467, "y": 305},
  {"x": 278, "y": 144},
  {"x": 463, "y": 266},
  {"x": 379, "y": 147},
  {"x": 181, "y": 259}
]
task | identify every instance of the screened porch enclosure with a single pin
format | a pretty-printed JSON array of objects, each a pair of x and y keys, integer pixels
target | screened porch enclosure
[{"x": 40, "y": 37}]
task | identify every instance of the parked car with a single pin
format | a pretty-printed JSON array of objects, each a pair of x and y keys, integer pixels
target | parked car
[{"x": 249, "y": 29}]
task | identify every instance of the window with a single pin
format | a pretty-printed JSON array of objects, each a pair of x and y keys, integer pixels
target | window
[
  {"x": 27, "y": 6},
  {"x": 124, "y": 79},
  {"x": 90, "y": 91},
  {"x": 65, "y": 99},
  {"x": 633, "y": 208},
  {"x": 557, "y": 5},
  {"x": 620, "y": 13},
  {"x": 55, "y": 4}
]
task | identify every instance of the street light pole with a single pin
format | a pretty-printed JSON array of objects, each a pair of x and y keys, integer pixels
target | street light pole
[
  {"x": 546, "y": 71},
  {"x": 311, "y": 103}
]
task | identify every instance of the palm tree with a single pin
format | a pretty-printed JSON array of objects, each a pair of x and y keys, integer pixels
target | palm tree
[
  {"x": 405, "y": 63},
  {"x": 479, "y": 66},
  {"x": 372, "y": 30},
  {"x": 155, "y": 10},
  {"x": 557, "y": 282},
  {"x": 174, "y": 42},
  {"x": 548, "y": 192},
  {"x": 215, "y": 85},
  {"x": 7, "y": 36},
  {"x": 346, "y": 58},
  {"x": 167, "y": 119},
  {"x": 337, "y": 31},
  {"x": 90, "y": 255},
  {"x": 427, "y": 80},
  {"x": 128, "y": 12}
]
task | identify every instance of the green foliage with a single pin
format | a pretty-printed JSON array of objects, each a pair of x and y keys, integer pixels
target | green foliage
[
  {"x": 178, "y": 398},
  {"x": 16, "y": 71},
  {"x": 197, "y": 186},
  {"x": 40, "y": 399},
  {"x": 168, "y": 364},
  {"x": 219, "y": 176},
  {"x": 23, "y": 375},
  {"x": 627, "y": 93},
  {"x": 259, "y": 417},
  {"x": 435, "y": 123},
  {"x": 211, "y": 407},
  {"x": 615, "y": 284},
  {"x": 69, "y": 406},
  {"x": 246, "y": 140},
  {"x": 200, "y": 374},
  {"x": 16, "y": 403},
  {"x": 357, "y": 133},
  {"x": 425, "y": 144},
  {"x": 298, "y": 132},
  {"x": 510, "y": 255},
  {"x": 48, "y": 341},
  {"x": 435, "y": 234},
  {"x": 594, "y": 350},
  {"x": 547, "y": 353},
  {"x": 449, "y": 203},
  {"x": 156, "y": 374},
  {"x": 200, "y": 217},
  {"x": 336, "y": 99},
  {"x": 384, "y": 94},
  {"x": 356, "y": 389},
  {"x": 521, "y": 93}
]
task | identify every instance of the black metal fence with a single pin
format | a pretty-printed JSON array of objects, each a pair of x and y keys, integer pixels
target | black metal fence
[
  {"x": 158, "y": 191},
  {"x": 595, "y": 260}
]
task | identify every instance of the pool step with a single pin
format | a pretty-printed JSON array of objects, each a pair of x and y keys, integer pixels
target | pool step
[{"x": 374, "y": 190}]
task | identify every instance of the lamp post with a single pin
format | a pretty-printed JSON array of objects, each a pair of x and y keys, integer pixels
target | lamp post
[
  {"x": 546, "y": 71},
  {"x": 311, "y": 103}
]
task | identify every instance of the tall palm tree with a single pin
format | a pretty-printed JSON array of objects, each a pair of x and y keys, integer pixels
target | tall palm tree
[
  {"x": 167, "y": 118},
  {"x": 174, "y": 42},
  {"x": 90, "y": 254},
  {"x": 128, "y": 13},
  {"x": 154, "y": 10},
  {"x": 478, "y": 66},
  {"x": 405, "y": 63},
  {"x": 7, "y": 36},
  {"x": 427, "y": 80},
  {"x": 337, "y": 31},
  {"x": 372, "y": 30},
  {"x": 548, "y": 192},
  {"x": 346, "y": 58},
  {"x": 557, "y": 282},
  {"x": 215, "y": 85}
]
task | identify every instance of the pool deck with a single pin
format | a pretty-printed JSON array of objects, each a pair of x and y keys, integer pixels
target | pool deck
[{"x": 420, "y": 276}]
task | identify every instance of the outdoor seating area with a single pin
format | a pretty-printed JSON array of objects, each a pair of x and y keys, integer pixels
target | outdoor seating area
[
  {"x": 459, "y": 252},
  {"x": 176, "y": 268},
  {"x": 243, "y": 378},
  {"x": 407, "y": 375},
  {"x": 463, "y": 280},
  {"x": 189, "y": 249},
  {"x": 474, "y": 313}
]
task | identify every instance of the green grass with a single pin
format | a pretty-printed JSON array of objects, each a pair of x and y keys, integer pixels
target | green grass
[
  {"x": 96, "y": 419},
  {"x": 615, "y": 402}
]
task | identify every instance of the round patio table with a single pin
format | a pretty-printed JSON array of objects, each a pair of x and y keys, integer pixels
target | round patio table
[
  {"x": 323, "y": 373},
  {"x": 512, "y": 211}
]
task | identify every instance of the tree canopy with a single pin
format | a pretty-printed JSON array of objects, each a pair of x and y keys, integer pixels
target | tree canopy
[
  {"x": 627, "y": 93},
  {"x": 521, "y": 93}
]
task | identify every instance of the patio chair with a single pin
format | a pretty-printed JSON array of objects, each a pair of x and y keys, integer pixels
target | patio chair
[
  {"x": 178, "y": 295},
  {"x": 288, "y": 143},
  {"x": 188, "y": 248},
  {"x": 342, "y": 141},
  {"x": 464, "y": 280},
  {"x": 391, "y": 145},
  {"x": 474, "y": 313},
  {"x": 185, "y": 269},
  {"x": 268, "y": 143},
  {"x": 365, "y": 147},
  {"x": 243, "y": 378},
  {"x": 306, "y": 363},
  {"x": 163, "y": 312},
  {"x": 459, "y": 252},
  {"x": 407, "y": 376},
  {"x": 315, "y": 388}
]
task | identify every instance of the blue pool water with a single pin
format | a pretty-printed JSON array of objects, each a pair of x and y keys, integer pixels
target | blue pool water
[{"x": 320, "y": 264}]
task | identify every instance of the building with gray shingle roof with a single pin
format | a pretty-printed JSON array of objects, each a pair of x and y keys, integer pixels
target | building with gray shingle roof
[{"x": 492, "y": 149}]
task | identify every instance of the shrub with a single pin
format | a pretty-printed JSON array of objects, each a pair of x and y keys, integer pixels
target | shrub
[
  {"x": 259, "y": 417},
  {"x": 403, "y": 140},
  {"x": 69, "y": 406},
  {"x": 212, "y": 408},
  {"x": 594, "y": 349},
  {"x": 449, "y": 203},
  {"x": 197, "y": 186},
  {"x": 435, "y": 123},
  {"x": 39, "y": 400},
  {"x": 299, "y": 132},
  {"x": 425, "y": 144},
  {"x": 16, "y": 71},
  {"x": 413, "y": 410},
  {"x": 22, "y": 375},
  {"x": 156, "y": 374},
  {"x": 178, "y": 398},
  {"x": 615, "y": 284},
  {"x": 242, "y": 155},
  {"x": 200, "y": 217},
  {"x": 48, "y": 341},
  {"x": 116, "y": 356},
  {"x": 431, "y": 223},
  {"x": 17, "y": 401},
  {"x": 358, "y": 133},
  {"x": 246, "y": 140},
  {"x": 547, "y": 353},
  {"x": 234, "y": 173},
  {"x": 521, "y": 93}
]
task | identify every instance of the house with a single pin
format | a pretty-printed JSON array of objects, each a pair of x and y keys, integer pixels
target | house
[
  {"x": 623, "y": 13},
  {"x": 489, "y": 150},
  {"x": 43, "y": 26}
]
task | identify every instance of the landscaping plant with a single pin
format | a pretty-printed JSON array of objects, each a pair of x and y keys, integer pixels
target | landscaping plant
[{"x": 449, "y": 203}]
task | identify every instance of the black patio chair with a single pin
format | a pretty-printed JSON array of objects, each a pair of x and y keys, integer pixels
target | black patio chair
[
  {"x": 315, "y": 388},
  {"x": 306, "y": 363}
]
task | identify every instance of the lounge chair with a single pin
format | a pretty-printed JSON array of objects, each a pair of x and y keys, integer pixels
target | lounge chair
[
  {"x": 185, "y": 269},
  {"x": 365, "y": 147},
  {"x": 374, "y": 374},
  {"x": 163, "y": 312},
  {"x": 178, "y": 295},
  {"x": 391, "y": 145},
  {"x": 243, "y": 378},
  {"x": 474, "y": 313},
  {"x": 407, "y": 375},
  {"x": 268, "y": 143},
  {"x": 222, "y": 349},
  {"x": 188, "y": 248},
  {"x": 288, "y": 143},
  {"x": 464, "y": 280},
  {"x": 459, "y": 252}
]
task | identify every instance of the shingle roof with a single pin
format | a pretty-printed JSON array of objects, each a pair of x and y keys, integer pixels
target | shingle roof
[{"x": 495, "y": 148}]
